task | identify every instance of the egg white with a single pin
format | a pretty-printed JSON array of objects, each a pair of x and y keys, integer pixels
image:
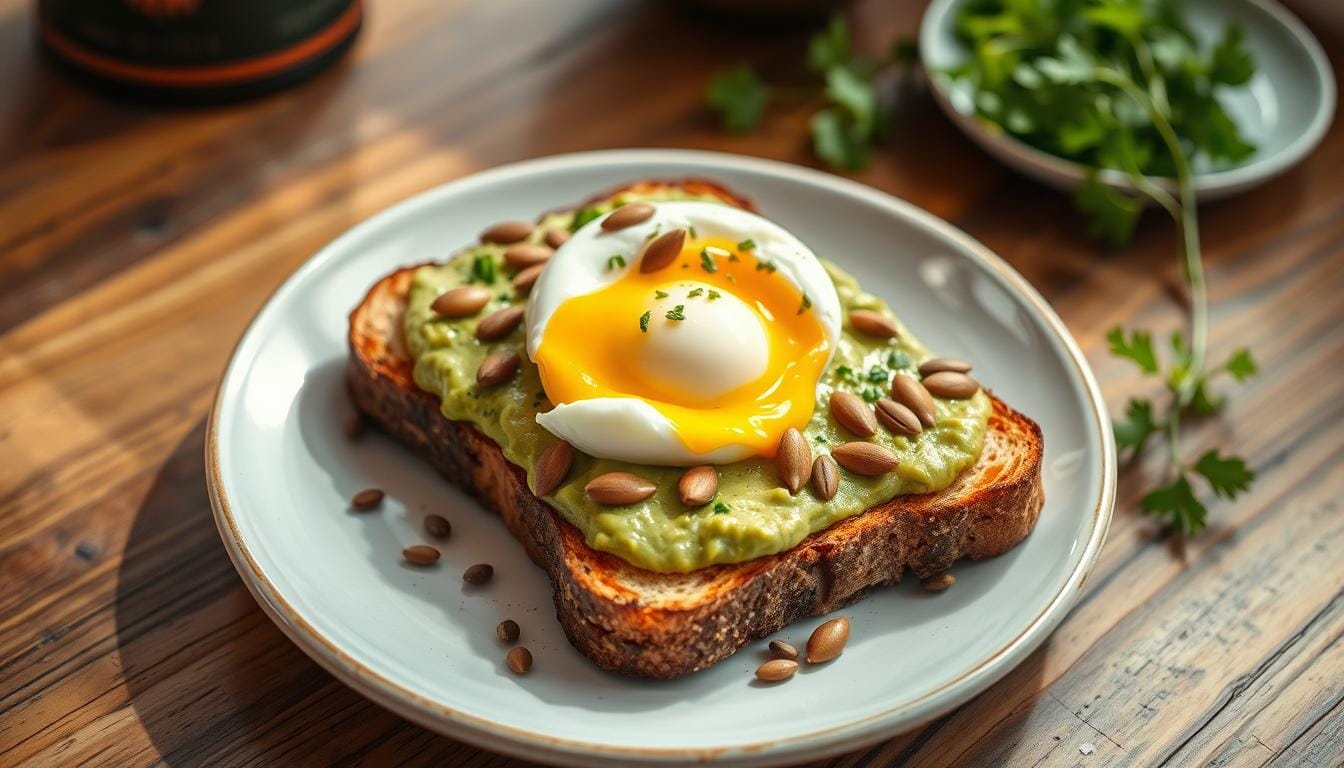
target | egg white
[{"x": 628, "y": 428}]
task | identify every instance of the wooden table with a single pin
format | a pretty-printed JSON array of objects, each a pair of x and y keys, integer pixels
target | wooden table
[{"x": 136, "y": 243}]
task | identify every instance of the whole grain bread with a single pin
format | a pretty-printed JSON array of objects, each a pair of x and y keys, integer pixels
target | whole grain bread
[{"x": 638, "y": 622}]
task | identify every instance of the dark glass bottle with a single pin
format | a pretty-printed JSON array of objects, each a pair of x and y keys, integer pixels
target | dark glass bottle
[{"x": 197, "y": 50}]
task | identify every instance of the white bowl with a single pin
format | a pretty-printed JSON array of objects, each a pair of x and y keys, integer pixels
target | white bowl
[
  {"x": 421, "y": 644},
  {"x": 1284, "y": 110}
]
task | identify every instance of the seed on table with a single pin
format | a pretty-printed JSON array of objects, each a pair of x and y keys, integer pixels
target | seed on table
[
  {"x": 937, "y": 364},
  {"x": 438, "y": 526},
  {"x": 499, "y": 323},
  {"x": 421, "y": 554},
  {"x": 907, "y": 391},
  {"x": 478, "y": 573},
  {"x": 828, "y": 640},
  {"x": 627, "y": 215},
  {"x": 506, "y": 232},
  {"x": 462, "y": 302},
  {"x": 951, "y": 385},
  {"x": 782, "y": 650},
  {"x": 523, "y": 255},
  {"x": 519, "y": 660},
  {"x": 938, "y": 582},
  {"x": 507, "y": 631},
  {"x": 776, "y": 670},
  {"x": 367, "y": 499},
  {"x": 556, "y": 237}
]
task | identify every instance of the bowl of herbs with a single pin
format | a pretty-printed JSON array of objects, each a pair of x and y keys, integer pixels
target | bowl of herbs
[{"x": 1132, "y": 95}]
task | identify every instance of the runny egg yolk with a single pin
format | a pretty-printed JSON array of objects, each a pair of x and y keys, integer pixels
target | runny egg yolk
[{"x": 721, "y": 344}]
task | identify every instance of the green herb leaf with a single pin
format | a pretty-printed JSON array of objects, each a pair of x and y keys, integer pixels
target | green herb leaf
[
  {"x": 747, "y": 245},
  {"x": 806, "y": 305},
  {"x": 484, "y": 269},
  {"x": 1241, "y": 365},
  {"x": 615, "y": 262},
  {"x": 657, "y": 294},
  {"x": 707, "y": 262},
  {"x": 676, "y": 313},
  {"x": 845, "y": 374},
  {"x": 766, "y": 265},
  {"x": 695, "y": 292},
  {"x": 830, "y": 47},
  {"x": 1231, "y": 63},
  {"x": 1137, "y": 426},
  {"x": 871, "y": 394},
  {"x": 1178, "y": 504},
  {"x": 1227, "y": 475},
  {"x": 644, "y": 321},
  {"x": 584, "y": 216},
  {"x": 877, "y": 374},
  {"x": 739, "y": 97},
  {"x": 713, "y": 294},
  {"x": 854, "y": 94},
  {"x": 897, "y": 359},
  {"x": 720, "y": 508},
  {"x": 1112, "y": 215},
  {"x": 1137, "y": 347},
  {"x": 838, "y": 141}
]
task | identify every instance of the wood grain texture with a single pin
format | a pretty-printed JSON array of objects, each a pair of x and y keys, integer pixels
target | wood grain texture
[{"x": 135, "y": 244}]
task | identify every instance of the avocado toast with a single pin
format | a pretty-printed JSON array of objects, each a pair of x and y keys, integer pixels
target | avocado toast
[{"x": 662, "y": 623}]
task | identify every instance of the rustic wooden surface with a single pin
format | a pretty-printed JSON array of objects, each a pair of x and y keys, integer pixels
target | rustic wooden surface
[{"x": 135, "y": 243}]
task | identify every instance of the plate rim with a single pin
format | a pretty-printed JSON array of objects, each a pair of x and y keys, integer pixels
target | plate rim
[
  {"x": 1062, "y": 173},
  {"x": 497, "y": 737}
]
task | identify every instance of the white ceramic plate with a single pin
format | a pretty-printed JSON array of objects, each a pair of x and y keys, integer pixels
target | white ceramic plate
[
  {"x": 422, "y": 644},
  {"x": 1284, "y": 110}
]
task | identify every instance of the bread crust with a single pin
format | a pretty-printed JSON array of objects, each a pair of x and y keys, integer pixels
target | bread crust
[{"x": 637, "y": 622}]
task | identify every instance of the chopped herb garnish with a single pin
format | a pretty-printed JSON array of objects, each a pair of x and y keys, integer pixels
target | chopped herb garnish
[
  {"x": 504, "y": 296},
  {"x": 720, "y": 508},
  {"x": 644, "y": 321},
  {"x": 845, "y": 373},
  {"x": 707, "y": 262},
  {"x": 677, "y": 313},
  {"x": 660, "y": 294},
  {"x": 692, "y": 231},
  {"x": 898, "y": 359},
  {"x": 584, "y": 216},
  {"x": 653, "y": 234},
  {"x": 747, "y": 245},
  {"x": 806, "y": 305},
  {"x": 877, "y": 374},
  {"x": 871, "y": 394},
  {"x": 820, "y": 438},
  {"x": 695, "y": 292},
  {"x": 733, "y": 257},
  {"x": 616, "y": 261},
  {"x": 713, "y": 294},
  {"x": 483, "y": 269},
  {"x": 766, "y": 264}
]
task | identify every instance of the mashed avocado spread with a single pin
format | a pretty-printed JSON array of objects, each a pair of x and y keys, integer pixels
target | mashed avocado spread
[{"x": 752, "y": 515}]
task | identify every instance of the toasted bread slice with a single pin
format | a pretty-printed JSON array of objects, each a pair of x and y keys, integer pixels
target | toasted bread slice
[{"x": 658, "y": 625}]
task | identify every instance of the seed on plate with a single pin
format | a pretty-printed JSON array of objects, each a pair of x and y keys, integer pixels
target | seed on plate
[
  {"x": 782, "y": 650},
  {"x": 793, "y": 460},
  {"x": 421, "y": 554},
  {"x": 775, "y": 670},
  {"x": 907, "y": 391},
  {"x": 662, "y": 251},
  {"x": 506, "y": 232},
  {"x": 698, "y": 485},
  {"x": 936, "y": 364},
  {"x": 898, "y": 418},
  {"x": 478, "y": 573},
  {"x": 871, "y": 323},
  {"x": 499, "y": 323},
  {"x": 627, "y": 215},
  {"x": 618, "y": 489},
  {"x": 828, "y": 640},
  {"x": 938, "y": 582},
  {"x": 367, "y": 499},
  {"x": 462, "y": 302},
  {"x": 825, "y": 477},
  {"x": 851, "y": 412},
  {"x": 524, "y": 255},
  {"x": 497, "y": 368},
  {"x": 951, "y": 385},
  {"x": 438, "y": 526},
  {"x": 556, "y": 237},
  {"x": 552, "y": 468},
  {"x": 519, "y": 660},
  {"x": 868, "y": 459},
  {"x": 507, "y": 631},
  {"x": 523, "y": 281}
]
